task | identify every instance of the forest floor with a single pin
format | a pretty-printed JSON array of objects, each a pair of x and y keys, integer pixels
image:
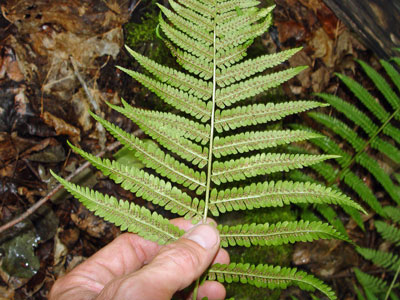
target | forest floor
[{"x": 55, "y": 64}]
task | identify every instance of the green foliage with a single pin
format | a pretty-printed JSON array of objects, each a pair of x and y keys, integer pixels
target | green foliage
[
  {"x": 198, "y": 149},
  {"x": 365, "y": 131}
]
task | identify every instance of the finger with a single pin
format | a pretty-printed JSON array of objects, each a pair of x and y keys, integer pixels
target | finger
[
  {"x": 213, "y": 290},
  {"x": 222, "y": 257},
  {"x": 175, "y": 267}
]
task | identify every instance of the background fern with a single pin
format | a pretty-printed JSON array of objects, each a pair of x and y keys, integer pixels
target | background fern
[
  {"x": 368, "y": 131},
  {"x": 377, "y": 287},
  {"x": 211, "y": 150}
]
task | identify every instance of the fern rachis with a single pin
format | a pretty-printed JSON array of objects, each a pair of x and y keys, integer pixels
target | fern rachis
[{"x": 198, "y": 149}]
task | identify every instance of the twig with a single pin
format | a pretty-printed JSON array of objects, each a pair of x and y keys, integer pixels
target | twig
[{"x": 42, "y": 201}]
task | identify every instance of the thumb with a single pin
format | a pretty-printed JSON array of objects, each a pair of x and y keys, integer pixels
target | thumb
[{"x": 175, "y": 267}]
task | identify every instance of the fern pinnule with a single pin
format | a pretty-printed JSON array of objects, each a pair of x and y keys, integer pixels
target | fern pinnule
[
  {"x": 267, "y": 276},
  {"x": 276, "y": 234},
  {"x": 393, "y": 213},
  {"x": 389, "y": 232},
  {"x": 242, "y": 116},
  {"x": 380, "y": 258},
  {"x": 261, "y": 164},
  {"x": 275, "y": 194},
  {"x": 128, "y": 216},
  {"x": 240, "y": 91}
]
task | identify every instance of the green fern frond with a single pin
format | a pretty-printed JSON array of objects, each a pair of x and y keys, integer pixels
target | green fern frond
[
  {"x": 383, "y": 259},
  {"x": 195, "y": 31},
  {"x": 240, "y": 71},
  {"x": 242, "y": 116},
  {"x": 359, "y": 186},
  {"x": 199, "y": 7},
  {"x": 275, "y": 194},
  {"x": 393, "y": 213},
  {"x": 226, "y": 6},
  {"x": 373, "y": 284},
  {"x": 389, "y": 232},
  {"x": 251, "y": 87},
  {"x": 267, "y": 276},
  {"x": 127, "y": 216},
  {"x": 183, "y": 81},
  {"x": 262, "y": 164},
  {"x": 365, "y": 97},
  {"x": 153, "y": 157},
  {"x": 180, "y": 100},
  {"x": 202, "y": 21},
  {"x": 381, "y": 176},
  {"x": 227, "y": 57},
  {"x": 176, "y": 125},
  {"x": 209, "y": 39},
  {"x": 258, "y": 140},
  {"x": 238, "y": 22},
  {"x": 276, "y": 234},
  {"x": 382, "y": 86},
  {"x": 239, "y": 37},
  {"x": 186, "y": 43},
  {"x": 391, "y": 71},
  {"x": 173, "y": 142},
  {"x": 200, "y": 67},
  {"x": 147, "y": 186},
  {"x": 361, "y": 119}
]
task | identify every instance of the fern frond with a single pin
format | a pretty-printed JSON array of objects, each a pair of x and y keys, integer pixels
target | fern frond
[
  {"x": 359, "y": 186},
  {"x": 276, "y": 234},
  {"x": 240, "y": 37},
  {"x": 365, "y": 97},
  {"x": 226, "y": 76},
  {"x": 200, "y": 67},
  {"x": 393, "y": 213},
  {"x": 238, "y": 22},
  {"x": 258, "y": 140},
  {"x": 183, "y": 81},
  {"x": 195, "y": 32},
  {"x": 227, "y": 57},
  {"x": 175, "y": 97},
  {"x": 361, "y": 119},
  {"x": 391, "y": 71},
  {"x": 383, "y": 259},
  {"x": 389, "y": 232},
  {"x": 327, "y": 145},
  {"x": 153, "y": 157},
  {"x": 382, "y": 86},
  {"x": 127, "y": 216},
  {"x": 185, "y": 42},
  {"x": 242, "y": 116},
  {"x": 175, "y": 143},
  {"x": 251, "y": 87},
  {"x": 147, "y": 186},
  {"x": 371, "y": 283},
  {"x": 175, "y": 124},
  {"x": 262, "y": 164},
  {"x": 226, "y": 6},
  {"x": 275, "y": 194},
  {"x": 202, "y": 21},
  {"x": 381, "y": 176},
  {"x": 199, "y": 7},
  {"x": 264, "y": 276}
]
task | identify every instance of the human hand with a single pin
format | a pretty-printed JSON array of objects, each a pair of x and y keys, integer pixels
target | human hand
[{"x": 133, "y": 268}]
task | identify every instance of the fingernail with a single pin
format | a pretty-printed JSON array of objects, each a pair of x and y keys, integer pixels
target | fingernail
[{"x": 204, "y": 235}]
